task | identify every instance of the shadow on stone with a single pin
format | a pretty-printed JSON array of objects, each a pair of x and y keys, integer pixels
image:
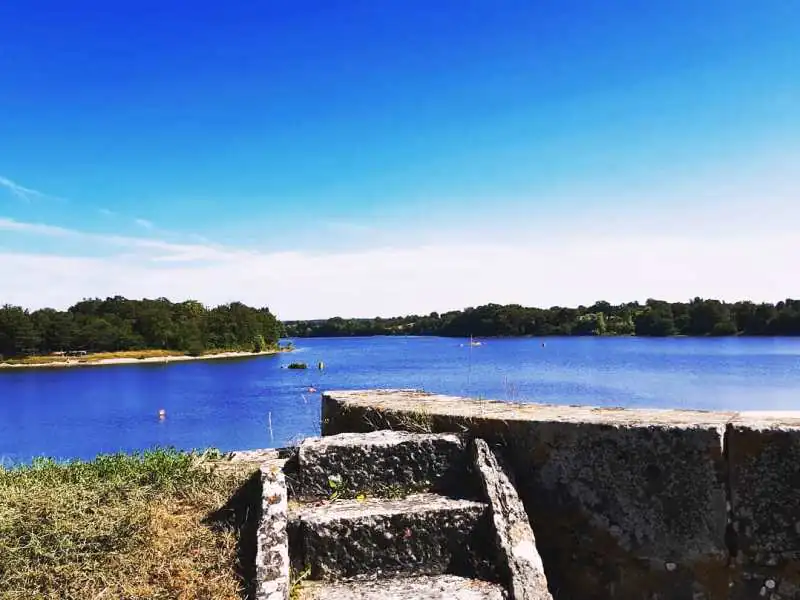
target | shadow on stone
[
  {"x": 241, "y": 513},
  {"x": 291, "y": 469},
  {"x": 297, "y": 550},
  {"x": 477, "y": 557}
]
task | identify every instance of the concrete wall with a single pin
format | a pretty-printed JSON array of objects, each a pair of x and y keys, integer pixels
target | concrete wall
[{"x": 631, "y": 504}]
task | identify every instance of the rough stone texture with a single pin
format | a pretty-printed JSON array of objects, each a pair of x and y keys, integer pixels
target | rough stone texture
[
  {"x": 423, "y": 534},
  {"x": 259, "y": 455},
  {"x": 626, "y": 504},
  {"x": 517, "y": 553},
  {"x": 442, "y": 587},
  {"x": 378, "y": 462},
  {"x": 764, "y": 462},
  {"x": 272, "y": 543}
]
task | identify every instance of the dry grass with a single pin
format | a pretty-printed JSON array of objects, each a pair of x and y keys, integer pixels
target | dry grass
[
  {"x": 119, "y": 527},
  {"x": 128, "y": 354},
  {"x": 137, "y": 354},
  {"x": 414, "y": 421},
  {"x": 96, "y": 356}
]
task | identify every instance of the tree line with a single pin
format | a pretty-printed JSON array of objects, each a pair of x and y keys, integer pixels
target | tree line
[
  {"x": 117, "y": 324},
  {"x": 653, "y": 318}
]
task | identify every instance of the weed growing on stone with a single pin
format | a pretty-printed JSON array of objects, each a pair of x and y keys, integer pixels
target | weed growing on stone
[
  {"x": 336, "y": 484},
  {"x": 481, "y": 404},
  {"x": 120, "y": 526},
  {"x": 416, "y": 421},
  {"x": 340, "y": 490},
  {"x": 511, "y": 389},
  {"x": 398, "y": 491},
  {"x": 295, "y": 580}
]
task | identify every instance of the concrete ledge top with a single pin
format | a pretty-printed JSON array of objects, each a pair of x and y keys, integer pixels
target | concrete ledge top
[
  {"x": 441, "y": 587},
  {"x": 369, "y": 507},
  {"x": 376, "y": 438},
  {"x": 437, "y": 404}
]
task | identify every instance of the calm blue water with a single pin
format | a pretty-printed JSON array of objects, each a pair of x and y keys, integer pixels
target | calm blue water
[{"x": 77, "y": 413}]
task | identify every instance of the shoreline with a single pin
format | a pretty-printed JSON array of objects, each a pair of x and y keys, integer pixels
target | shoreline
[{"x": 103, "y": 362}]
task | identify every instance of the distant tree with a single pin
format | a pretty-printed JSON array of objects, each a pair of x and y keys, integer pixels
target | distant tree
[
  {"x": 600, "y": 324},
  {"x": 18, "y": 336},
  {"x": 259, "y": 345},
  {"x": 56, "y": 329},
  {"x": 118, "y": 323},
  {"x": 656, "y": 320},
  {"x": 707, "y": 315}
]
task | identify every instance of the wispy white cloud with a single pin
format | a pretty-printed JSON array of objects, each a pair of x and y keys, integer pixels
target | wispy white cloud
[
  {"x": 144, "y": 223},
  {"x": 151, "y": 249},
  {"x": 35, "y": 228},
  {"x": 559, "y": 268},
  {"x": 106, "y": 212},
  {"x": 712, "y": 242},
  {"x": 24, "y": 193}
]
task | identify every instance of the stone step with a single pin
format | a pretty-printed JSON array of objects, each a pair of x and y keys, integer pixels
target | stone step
[
  {"x": 424, "y": 534},
  {"x": 381, "y": 463},
  {"x": 441, "y": 587}
]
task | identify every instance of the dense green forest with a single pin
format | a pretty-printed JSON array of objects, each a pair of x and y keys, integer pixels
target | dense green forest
[
  {"x": 653, "y": 318},
  {"x": 117, "y": 324}
]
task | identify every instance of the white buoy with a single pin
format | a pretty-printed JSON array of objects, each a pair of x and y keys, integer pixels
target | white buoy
[{"x": 162, "y": 414}]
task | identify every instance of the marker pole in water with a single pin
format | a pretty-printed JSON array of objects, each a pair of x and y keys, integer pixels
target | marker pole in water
[
  {"x": 269, "y": 421},
  {"x": 469, "y": 369}
]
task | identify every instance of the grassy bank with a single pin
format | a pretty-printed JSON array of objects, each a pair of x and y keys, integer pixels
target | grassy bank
[
  {"x": 121, "y": 527},
  {"x": 130, "y": 357},
  {"x": 95, "y": 357}
]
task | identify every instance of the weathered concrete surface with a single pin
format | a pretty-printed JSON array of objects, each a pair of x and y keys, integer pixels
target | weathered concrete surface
[
  {"x": 626, "y": 504},
  {"x": 764, "y": 463},
  {"x": 260, "y": 455},
  {"x": 422, "y": 534},
  {"x": 442, "y": 587},
  {"x": 519, "y": 559},
  {"x": 380, "y": 463},
  {"x": 272, "y": 549}
]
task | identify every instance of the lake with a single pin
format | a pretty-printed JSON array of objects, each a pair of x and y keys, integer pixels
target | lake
[{"x": 230, "y": 404}]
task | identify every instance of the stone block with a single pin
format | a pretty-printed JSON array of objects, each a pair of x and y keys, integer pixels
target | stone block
[
  {"x": 422, "y": 534},
  {"x": 272, "y": 543},
  {"x": 516, "y": 546},
  {"x": 379, "y": 463},
  {"x": 642, "y": 506},
  {"x": 764, "y": 467},
  {"x": 441, "y": 587},
  {"x": 626, "y": 504}
]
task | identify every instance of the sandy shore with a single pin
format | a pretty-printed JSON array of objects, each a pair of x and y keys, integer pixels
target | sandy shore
[{"x": 75, "y": 362}]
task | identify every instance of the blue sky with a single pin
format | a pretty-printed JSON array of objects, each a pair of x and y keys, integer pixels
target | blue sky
[{"x": 291, "y": 153}]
